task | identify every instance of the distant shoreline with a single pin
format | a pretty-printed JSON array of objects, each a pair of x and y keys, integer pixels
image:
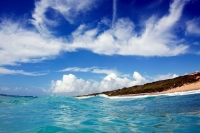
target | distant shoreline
[
  {"x": 184, "y": 88},
  {"x": 184, "y": 83}
]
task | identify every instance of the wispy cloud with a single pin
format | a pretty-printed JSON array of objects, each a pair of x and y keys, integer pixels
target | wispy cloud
[
  {"x": 156, "y": 40},
  {"x": 193, "y": 26},
  {"x": 104, "y": 71},
  {"x": 69, "y": 9},
  {"x": 77, "y": 69},
  {"x": 5, "y": 71},
  {"x": 89, "y": 69},
  {"x": 114, "y": 12},
  {"x": 21, "y": 45},
  {"x": 71, "y": 85}
]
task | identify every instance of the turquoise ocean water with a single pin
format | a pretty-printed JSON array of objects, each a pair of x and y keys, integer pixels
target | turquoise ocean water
[{"x": 60, "y": 114}]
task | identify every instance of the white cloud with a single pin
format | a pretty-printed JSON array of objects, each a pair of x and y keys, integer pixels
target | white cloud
[
  {"x": 89, "y": 69},
  {"x": 15, "y": 72},
  {"x": 71, "y": 85},
  {"x": 19, "y": 45},
  {"x": 104, "y": 71},
  {"x": 69, "y": 9},
  {"x": 193, "y": 26},
  {"x": 76, "y": 69},
  {"x": 156, "y": 40},
  {"x": 167, "y": 76}
]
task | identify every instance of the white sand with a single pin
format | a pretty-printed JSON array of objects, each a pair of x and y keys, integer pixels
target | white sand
[{"x": 187, "y": 87}]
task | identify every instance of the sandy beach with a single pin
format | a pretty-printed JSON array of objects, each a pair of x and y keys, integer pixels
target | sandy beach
[{"x": 187, "y": 87}]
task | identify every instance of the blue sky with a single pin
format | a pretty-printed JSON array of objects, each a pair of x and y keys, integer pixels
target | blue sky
[{"x": 78, "y": 47}]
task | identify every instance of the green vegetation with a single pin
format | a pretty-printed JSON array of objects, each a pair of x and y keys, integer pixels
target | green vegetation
[{"x": 157, "y": 86}]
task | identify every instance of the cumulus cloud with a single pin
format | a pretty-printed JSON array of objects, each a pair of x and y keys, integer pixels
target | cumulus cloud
[
  {"x": 156, "y": 40},
  {"x": 166, "y": 76},
  {"x": 4, "y": 71},
  {"x": 193, "y": 26},
  {"x": 71, "y": 85}
]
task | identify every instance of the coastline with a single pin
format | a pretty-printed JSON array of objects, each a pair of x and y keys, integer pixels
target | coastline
[
  {"x": 184, "y": 88},
  {"x": 183, "y": 84}
]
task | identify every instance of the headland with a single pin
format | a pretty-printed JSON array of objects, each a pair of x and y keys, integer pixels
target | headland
[{"x": 183, "y": 83}]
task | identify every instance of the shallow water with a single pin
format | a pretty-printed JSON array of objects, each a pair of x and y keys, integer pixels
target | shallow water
[{"x": 100, "y": 114}]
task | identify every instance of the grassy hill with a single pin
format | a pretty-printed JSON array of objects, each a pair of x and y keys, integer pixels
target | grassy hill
[{"x": 157, "y": 86}]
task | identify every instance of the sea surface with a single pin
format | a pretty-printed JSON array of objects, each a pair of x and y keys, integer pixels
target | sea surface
[{"x": 179, "y": 113}]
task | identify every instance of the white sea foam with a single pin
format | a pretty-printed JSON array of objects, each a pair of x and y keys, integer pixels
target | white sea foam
[
  {"x": 84, "y": 97},
  {"x": 103, "y": 95},
  {"x": 131, "y": 97},
  {"x": 182, "y": 93},
  {"x": 100, "y": 95}
]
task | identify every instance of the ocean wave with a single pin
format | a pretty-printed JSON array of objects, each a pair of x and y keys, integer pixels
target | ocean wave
[
  {"x": 86, "y": 97},
  {"x": 100, "y": 114}
]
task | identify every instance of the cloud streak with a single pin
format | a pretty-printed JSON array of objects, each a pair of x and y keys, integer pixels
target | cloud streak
[
  {"x": 5, "y": 71},
  {"x": 89, "y": 69},
  {"x": 114, "y": 12},
  {"x": 69, "y": 9}
]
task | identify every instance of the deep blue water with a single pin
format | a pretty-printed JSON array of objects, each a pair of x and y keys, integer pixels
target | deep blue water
[{"x": 51, "y": 114}]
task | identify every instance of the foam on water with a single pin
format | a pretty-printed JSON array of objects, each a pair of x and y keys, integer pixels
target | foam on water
[
  {"x": 86, "y": 97},
  {"x": 182, "y": 93}
]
